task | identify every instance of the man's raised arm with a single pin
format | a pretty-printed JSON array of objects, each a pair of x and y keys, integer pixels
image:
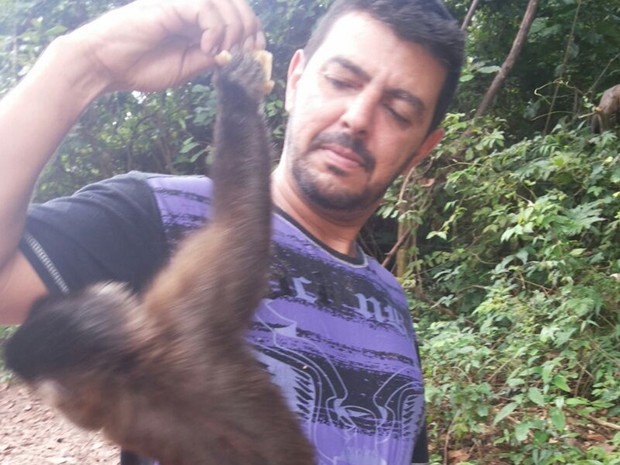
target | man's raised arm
[{"x": 147, "y": 45}]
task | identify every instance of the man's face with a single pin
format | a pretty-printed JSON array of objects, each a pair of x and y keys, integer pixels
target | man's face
[{"x": 360, "y": 110}]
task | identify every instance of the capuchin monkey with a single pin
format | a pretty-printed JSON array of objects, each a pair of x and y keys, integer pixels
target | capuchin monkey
[{"x": 168, "y": 374}]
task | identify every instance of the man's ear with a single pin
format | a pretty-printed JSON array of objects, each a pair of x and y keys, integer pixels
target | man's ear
[
  {"x": 295, "y": 70},
  {"x": 425, "y": 148}
]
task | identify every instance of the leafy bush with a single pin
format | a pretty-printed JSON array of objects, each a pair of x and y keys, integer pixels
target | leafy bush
[{"x": 521, "y": 254}]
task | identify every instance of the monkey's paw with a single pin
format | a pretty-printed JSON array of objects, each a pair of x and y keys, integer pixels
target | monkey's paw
[{"x": 250, "y": 71}]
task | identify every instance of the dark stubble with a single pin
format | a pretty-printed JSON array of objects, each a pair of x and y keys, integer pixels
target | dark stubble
[{"x": 332, "y": 197}]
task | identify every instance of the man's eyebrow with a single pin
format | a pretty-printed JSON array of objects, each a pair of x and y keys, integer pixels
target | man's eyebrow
[
  {"x": 392, "y": 93},
  {"x": 349, "y": 66}
]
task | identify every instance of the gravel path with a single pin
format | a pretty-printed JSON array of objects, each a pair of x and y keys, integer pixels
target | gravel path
[{"x": 31, "y": 433}]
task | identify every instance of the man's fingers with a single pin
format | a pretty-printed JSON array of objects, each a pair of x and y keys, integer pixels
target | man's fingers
[
  {"x": 251, "y": 24},
  {"x": 212, "y": 28},
  {"x": 234, "y": 27},
  {"x": 153, "y": 44},
  {"x": 196, "y": 61},
  {"x": 227, "y": 24},
  {"x": 260, "y": 41}
]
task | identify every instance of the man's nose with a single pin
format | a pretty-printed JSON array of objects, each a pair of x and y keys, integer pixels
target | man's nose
[{"x": 360, "y": 112}]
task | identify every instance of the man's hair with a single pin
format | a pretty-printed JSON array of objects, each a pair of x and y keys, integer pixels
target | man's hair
[{"x": 424, "y": 22}]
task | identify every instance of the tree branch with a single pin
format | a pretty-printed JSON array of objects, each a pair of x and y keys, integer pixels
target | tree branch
[
  {"x": 470, "y": 14},
  {"x": 517, "y": 46}
]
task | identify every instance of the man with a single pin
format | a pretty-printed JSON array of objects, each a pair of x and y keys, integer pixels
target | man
[{"x": 364, "y": 97}]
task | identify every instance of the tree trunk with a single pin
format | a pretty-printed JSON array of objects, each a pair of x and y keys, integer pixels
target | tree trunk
[{"x": 517, "y": 46}]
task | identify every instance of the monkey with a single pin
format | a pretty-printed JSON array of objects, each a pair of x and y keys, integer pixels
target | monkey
[
  {"x": 607, "y": 113},
  {"x": 167, "y": 374}
]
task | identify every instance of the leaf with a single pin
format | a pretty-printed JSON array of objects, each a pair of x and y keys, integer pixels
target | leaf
[
  {"x": 522, "y": 255},
  {"x": 559, "y": 381},
  {"x": 482, "y": 410},
  {"x": 440, "y": 234},
  {"x": 512, "y": 382},
  {"x": 536, "y": 396},
  {"x": 547, "y": 370},
  {"x": 577, "y": 252},
  {"x": 196, "y": 156},
  {"x": 504, "y": 412},
  {"x": 521, "y": 431},
  {"x": 489, "y": 69},
  {"x": 557, "y": 419},
  {"x": 188, "y": 147},
  {"x": 576, "y": 401}
]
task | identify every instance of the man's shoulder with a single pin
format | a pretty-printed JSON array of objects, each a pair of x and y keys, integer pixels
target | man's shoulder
[
  {"x": 175, "y": 184},
  {"x": 183, "y": 201},
  {"x": 158, "y": 183},
  {"x": 179, "y": 203}
]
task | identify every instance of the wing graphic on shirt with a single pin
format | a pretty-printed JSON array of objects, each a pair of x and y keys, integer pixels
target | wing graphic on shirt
[
  {"x": 318, "y": 389},
  {"x": 326, "y": 394}
]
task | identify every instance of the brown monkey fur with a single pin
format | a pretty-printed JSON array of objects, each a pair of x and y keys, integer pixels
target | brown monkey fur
[
  {"x": 607, "y": 113},
  {"x": 168, "y": 374}
]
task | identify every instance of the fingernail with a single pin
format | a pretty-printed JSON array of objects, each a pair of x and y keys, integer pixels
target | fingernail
[
  {"x": 260, "y": 41},
  {"x": 248, "y": 44}
]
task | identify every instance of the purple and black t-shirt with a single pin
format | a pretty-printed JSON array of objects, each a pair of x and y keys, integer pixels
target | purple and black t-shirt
[{"x": 334, "y": 331}]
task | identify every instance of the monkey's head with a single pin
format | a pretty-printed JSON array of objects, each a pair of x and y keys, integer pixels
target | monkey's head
[{"x": 68, "y": 344}]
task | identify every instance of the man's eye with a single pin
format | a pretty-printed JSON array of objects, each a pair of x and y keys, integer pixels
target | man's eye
[
  {"x": 399, "y": 118},
  {"x": 338, "y": 82}
]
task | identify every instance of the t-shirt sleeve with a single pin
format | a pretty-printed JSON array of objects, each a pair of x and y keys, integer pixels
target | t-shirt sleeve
[{"x": 107, "y": 231}]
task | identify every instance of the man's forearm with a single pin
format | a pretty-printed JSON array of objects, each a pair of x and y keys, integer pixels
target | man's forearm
[{"x": 34, "y": 118}]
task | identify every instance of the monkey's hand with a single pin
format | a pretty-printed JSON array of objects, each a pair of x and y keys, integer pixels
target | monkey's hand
[{"x": 250, "y": 72}]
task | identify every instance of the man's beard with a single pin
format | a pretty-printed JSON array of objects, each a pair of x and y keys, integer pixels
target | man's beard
[{"x": 332, "y": 197}]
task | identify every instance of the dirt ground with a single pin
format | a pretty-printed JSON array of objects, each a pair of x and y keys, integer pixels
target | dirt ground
[{"x": 31, "y": 433}]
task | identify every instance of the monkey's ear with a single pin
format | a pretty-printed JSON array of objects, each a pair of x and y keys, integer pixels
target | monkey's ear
[{"x": 65, "y": 332}]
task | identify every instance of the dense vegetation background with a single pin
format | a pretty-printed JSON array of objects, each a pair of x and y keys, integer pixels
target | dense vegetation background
[{"x": 507, "y": 240}]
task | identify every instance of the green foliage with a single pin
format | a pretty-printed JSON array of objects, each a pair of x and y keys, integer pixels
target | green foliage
[
  {"x": 523, "y": 253},
  {"x": 540, "y": 212},
  {"x": 570, "y": 58}
]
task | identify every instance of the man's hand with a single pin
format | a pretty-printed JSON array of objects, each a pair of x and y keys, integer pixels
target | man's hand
[{"x": 151, "y": 45}]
